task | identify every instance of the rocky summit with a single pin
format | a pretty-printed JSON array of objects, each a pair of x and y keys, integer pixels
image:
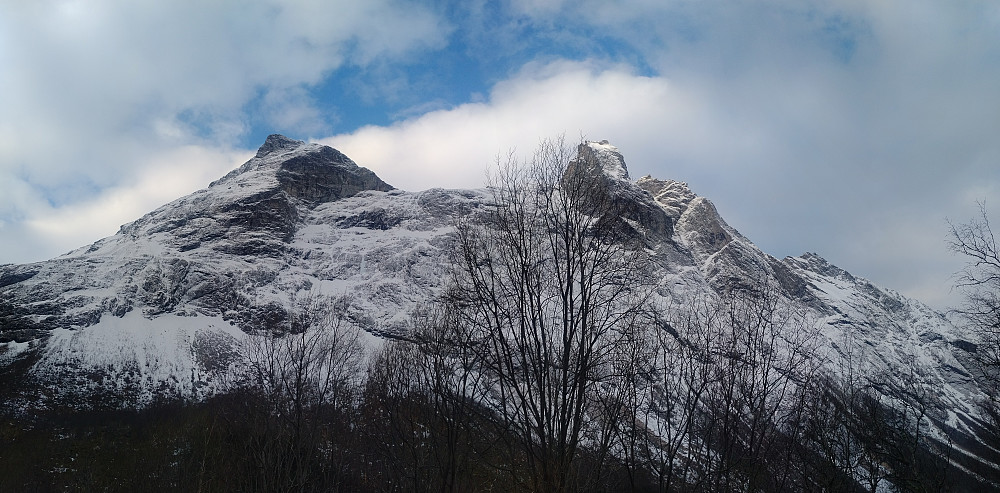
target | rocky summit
[{"x": 157, "y": 308}]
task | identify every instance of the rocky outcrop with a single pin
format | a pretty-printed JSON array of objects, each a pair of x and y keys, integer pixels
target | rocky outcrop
[
  {"x": 674, "y": 197},
  {"x": 326, "y": 175},
  {"x": 311, "y": 173},
  {"x": 256, "y": 209},
  {"x": 602, "y": 164}
]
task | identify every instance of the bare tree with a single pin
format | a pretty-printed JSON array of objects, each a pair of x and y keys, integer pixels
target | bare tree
[
  {"x": 868, "y": 424},
  {"x": 424, "y": 397},
  {"x": 763, "y": 359},
  {"x": 835, "y": 456},
  {"x": 618, "y": 435},
  {"x": 448, "y": 377},
  {"x": 657, "y": 436},
  {"x": 551, "y": 290},
  {"x": 299, "y": 381},
  {"x": 393, "y": 420},
  {"x": 980, "y": 285}
]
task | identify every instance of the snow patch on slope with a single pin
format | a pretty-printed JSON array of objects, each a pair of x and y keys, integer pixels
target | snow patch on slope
[
  {"x": 140, "y": 356},
  {"x": 891, "y": 338}
]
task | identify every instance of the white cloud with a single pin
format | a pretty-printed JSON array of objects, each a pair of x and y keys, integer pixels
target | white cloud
[
  {"x": 91, "y": 90},
  {"x": 294, "y": 109},
  {"x": 454, "y": 147},
  {"x": 164, "y": 178},
  {"x": 111, "y": 65}
]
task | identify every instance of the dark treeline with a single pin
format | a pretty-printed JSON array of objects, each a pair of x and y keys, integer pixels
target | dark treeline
[{"x": 547, "y": 365}]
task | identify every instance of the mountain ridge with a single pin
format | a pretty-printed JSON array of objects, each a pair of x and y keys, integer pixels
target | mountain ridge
[{"x": 136, "y": 308}]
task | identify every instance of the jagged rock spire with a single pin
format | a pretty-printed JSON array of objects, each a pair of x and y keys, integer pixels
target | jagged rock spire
[{"x": 603, "y": 156}]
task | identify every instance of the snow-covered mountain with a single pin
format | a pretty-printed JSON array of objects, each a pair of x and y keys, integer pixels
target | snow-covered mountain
[{"x": 157, "y": 308}]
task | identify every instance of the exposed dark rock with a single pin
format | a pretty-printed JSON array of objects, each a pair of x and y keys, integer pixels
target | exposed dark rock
[
  {"x": 275, "y": 142},
  {"x": 15, "y": 324},
  {"x": 819, "y": 265},
  {"x": 14, "y": 277},
  {"x": 380, "y": 219},
  {"x": 326, "y": 175},
  {"x": 604, "y": 165},
  {"x": 703, "y": 229},
  {"x": 22, "y": 335},
  {"x": 794, "y": 286},
  {"x": 674, "y": 197},
  {"x": 965, "y": 346}
]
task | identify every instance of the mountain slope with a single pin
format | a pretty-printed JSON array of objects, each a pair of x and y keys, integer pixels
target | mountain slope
[{"x": 157, "y": 309}]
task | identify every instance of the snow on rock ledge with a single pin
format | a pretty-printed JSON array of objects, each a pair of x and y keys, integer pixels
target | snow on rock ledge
[
  {"x": 673, "y": 196},
  {"x": 605, "y": 155}
]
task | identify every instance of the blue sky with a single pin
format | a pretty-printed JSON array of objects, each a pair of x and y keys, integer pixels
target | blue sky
[{"x": 850, "y": 128}]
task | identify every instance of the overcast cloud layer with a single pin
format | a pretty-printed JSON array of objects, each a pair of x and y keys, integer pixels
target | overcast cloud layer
[{"x": 850, "y": 128}]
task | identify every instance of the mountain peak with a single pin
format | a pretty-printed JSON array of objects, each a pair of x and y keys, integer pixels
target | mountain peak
[
  {"x": 257, "y": 208},
  {"x": 602, "y": 166},
  {"x": 159, "y": 307},
  {"x": 309, "y": 171},
  {"x": 277, "y": 142},
  {"x": 605, "y": 155}
]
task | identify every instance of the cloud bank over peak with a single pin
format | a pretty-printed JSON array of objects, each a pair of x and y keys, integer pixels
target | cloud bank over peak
[
  {"x": 454, "y": 147},
  {"x": 93, "y": 86}
]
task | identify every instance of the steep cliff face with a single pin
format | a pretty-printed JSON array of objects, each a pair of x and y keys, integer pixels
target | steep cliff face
[
  {"x": 154, "y": 308},
  {"x": 256, "y": 209},
  {"x": 600, "y": 162}
]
